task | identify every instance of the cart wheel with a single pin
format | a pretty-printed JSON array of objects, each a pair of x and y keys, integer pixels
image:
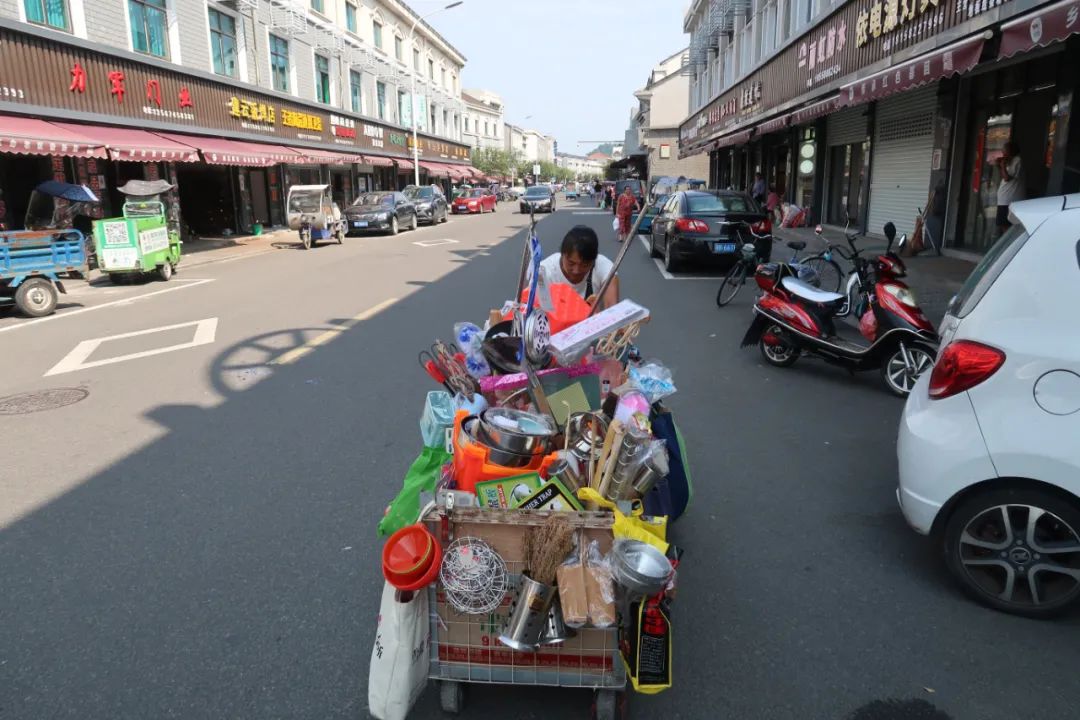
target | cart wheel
[
  {"x": 452, "y": 696},
  {"x": 609, "y": 705},
  {"x": 36, "y": 297},
  {"x": 165, "y": 271}
]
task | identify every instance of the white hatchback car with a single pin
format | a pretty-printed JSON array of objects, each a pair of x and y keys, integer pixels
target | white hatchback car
[{"x": 989, "y": 442}]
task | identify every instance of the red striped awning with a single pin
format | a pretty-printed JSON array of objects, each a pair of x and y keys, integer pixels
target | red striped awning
[
  {"x": 774, "y": 124},
  {"x": 814, "y": 111},
  {"x": 404, "y": 164},
  {"x": 219, "y": 151},
  {"x": 132, "y": 144},
  {"x": 1053, "y": 23},
  {"x": 378, "y": 161},
  {"x": 325, "y": 157},
  {"x": 931, "y": 67},
  {"x": 735, "y": 138},
  {"x": 30, "y": 136},
  {"x": 433, "y": 168}
]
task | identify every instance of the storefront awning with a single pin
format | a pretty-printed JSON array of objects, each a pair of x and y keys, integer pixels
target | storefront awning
[
  {"x": 931, "y": 67},
  {"x": 30, "y": 136},
  {"x": 814, "y": 111},
  {"x": 433, "y": 168},
  {"x": 132, "y": 144},
  {"x": 387, "y": 162},
  {"x": 1051, "y": 24},
  {"x": 324, "y": 157},
  {"x": 219, "y": 151},
  {"x": 736, "y": 138},
  {"x": 457, "y": 172},
  {"x": 773, "y": 124}
]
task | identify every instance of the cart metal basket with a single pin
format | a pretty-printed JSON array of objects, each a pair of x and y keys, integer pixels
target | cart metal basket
[{"x": 466, "y": 649}]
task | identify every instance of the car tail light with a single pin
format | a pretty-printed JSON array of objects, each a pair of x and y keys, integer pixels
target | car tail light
[
  {"x": 762, "y": 228},
  {"x": 962, "y": 365},
  {"x": 691, "y": 225}
]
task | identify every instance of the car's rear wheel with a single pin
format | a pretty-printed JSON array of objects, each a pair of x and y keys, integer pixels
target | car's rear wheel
[
  {"x": 1016, "y": 549},
  {"x": 670, "y": 263}
]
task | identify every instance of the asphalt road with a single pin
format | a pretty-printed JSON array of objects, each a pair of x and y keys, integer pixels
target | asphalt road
[{"x": 195, "y": 538}]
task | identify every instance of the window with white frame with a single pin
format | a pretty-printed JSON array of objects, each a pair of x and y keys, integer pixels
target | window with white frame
[
  {"x": 222, "y": 42},
  {"x": 416, "y": 61},
  {"x": 322, "y": 79},
  {"x": 350, "y": 17},
  {"x": 431, "y": 69},
  {"x": 356, "y": 91},
  {"x": 380, "y": 100},
  {"x": 399, "y": 48},
  {"x": 149, "y": 27},
  {"x": 50, "y": 13},
  {"x": 279, "y": 63},
  {"x": 376, "y": 33}
]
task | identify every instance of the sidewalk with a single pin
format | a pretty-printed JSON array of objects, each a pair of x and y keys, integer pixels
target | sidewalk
[
  {"x": 205, "y": 250},
  {"x": 934, "y": 279}
]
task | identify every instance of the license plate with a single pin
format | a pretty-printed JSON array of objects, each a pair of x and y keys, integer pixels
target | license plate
[
  {"x": 723, "y": 248},
  {"x": 360, "y": 223}
]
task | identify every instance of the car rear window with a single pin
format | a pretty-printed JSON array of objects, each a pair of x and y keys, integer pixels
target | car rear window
[
  {"x": 987, "y": 271},
  {"x": 703, "y": 204}
]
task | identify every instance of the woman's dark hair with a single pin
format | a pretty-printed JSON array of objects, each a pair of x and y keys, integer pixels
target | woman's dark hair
[{"x": 581, "y": 239}]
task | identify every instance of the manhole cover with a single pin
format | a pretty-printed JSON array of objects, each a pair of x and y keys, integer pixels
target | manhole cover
[{"x": 30, "y": 402}]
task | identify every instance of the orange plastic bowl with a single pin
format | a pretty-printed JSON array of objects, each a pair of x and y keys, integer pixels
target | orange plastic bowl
[{"x": 411, "y": 558}]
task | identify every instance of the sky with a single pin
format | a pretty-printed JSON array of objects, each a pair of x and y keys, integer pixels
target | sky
[{"x": 572, "y": 65}]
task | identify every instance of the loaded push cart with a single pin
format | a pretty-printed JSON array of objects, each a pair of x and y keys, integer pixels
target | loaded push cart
[
  {"x": 146, "y": 239},
  {"x": 528, "y": 545},
  {"x": 314, "y": 214}
]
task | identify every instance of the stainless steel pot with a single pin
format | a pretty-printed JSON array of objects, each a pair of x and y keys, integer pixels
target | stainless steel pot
[
  {"x": 583, "y": 438},
  {"x": 516, "y": 431},
  {"x": 497, "y": 456}
]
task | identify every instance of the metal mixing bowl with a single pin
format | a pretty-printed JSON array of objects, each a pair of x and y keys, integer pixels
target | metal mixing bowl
[
  {"x": 516, "y": 431},
  {"x": 640, "y": 567}
]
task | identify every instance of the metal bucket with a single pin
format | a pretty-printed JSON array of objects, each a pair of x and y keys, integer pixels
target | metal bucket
[
  {"x": 528, "y": 615},
  {"x": 556, "y": 631}
]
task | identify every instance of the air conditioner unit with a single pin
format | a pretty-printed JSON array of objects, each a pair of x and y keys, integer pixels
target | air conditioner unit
[{"x": 329, "y": 39}]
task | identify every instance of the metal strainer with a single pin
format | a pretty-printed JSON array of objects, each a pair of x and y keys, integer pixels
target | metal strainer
[{"x": 473, "y": 576}]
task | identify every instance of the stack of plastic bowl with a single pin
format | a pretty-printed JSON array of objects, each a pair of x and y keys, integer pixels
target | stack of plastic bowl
[{"x": 411, "y": 558}]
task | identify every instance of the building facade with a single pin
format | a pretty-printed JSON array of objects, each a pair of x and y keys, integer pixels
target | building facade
[
  {"x": 482, "y": 122},
  {"x": 651, "y": 142},
  {"x": 232, "y": 102},
  {"x": 887, "y": 110},
  {"x": 582, "y": 167},
  {"x": 538, "y": 147}
]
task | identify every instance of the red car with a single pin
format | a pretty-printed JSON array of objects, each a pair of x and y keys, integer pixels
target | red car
[{"x": 477, "y": 200}]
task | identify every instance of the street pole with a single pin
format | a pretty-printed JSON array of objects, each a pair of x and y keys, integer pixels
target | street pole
[{"x": 412, "y": 96}]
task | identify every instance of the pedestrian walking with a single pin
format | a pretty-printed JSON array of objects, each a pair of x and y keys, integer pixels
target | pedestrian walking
[
  {"x": 757, "y": 190},
  {"x": 772, "y": 206},
  {"x": 627, "y": 206},
  {"x": 1011, "y": 187}
]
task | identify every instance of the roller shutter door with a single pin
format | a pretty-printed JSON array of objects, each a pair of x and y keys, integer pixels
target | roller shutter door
[
  {"x": 846, "y": 126},
  {"x": 901, "y": 157}
]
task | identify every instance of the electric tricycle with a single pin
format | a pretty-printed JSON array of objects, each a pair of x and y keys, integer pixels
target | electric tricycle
[
  {"x": 145, "y": 240},
  {"x": 314, "y": 214}
]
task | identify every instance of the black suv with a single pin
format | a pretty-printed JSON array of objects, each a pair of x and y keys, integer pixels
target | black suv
[{"x": 431, "y": 206}]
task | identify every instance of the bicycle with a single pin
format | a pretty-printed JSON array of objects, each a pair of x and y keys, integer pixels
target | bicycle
[
  {"x": 819, "y": 270},
  {"x": 853, "y": 288}
]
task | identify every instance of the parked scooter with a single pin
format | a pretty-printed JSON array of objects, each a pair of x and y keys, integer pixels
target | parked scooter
[{"x": 792, "y": 318}]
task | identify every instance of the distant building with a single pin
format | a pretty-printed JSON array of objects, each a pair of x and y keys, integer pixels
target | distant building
[
  {"x": 652, "y": 137},
  {"x": 583, "y": 167},
  {"x": 482, "y": 121}
]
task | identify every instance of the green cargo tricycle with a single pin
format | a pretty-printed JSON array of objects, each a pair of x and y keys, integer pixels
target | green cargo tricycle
[{"x": 145, "y": 240}]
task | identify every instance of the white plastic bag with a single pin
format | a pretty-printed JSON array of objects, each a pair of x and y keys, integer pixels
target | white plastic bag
[
  {"x": 399, "y": 659},
  {"x": 615, "y": 224}
]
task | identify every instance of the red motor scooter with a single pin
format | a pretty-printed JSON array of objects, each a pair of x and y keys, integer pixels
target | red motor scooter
[{"x": 792, "y": 319}]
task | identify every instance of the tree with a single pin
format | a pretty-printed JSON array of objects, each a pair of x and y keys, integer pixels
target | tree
[{"x": 493, "y": 161}]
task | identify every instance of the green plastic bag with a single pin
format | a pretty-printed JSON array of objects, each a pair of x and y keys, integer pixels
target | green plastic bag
[{"x": 422, "y": 476}]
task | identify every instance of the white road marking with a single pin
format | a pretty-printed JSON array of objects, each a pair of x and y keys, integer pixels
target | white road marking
[
  {"x": 296, "y": 353},
  {"x": 592, "y": 212},
  {"x": 434, "y": 243},
  {"x": 205, "y": 330},
  {"x": 668, "y": 276},
  {"x": 123, "y": 301}
]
